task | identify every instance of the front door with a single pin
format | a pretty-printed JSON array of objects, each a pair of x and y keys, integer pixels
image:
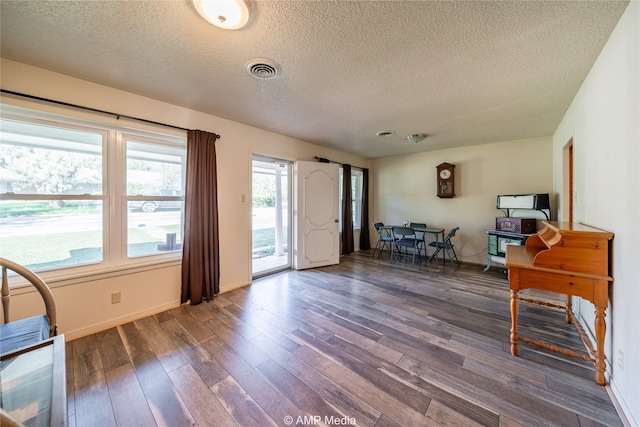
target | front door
[{"x": 316, "y": 218}]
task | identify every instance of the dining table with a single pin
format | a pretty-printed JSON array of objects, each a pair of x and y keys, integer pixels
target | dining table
[{"x": 435, "y": 231}]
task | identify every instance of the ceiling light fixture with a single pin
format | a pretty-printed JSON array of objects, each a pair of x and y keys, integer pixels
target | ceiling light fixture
[
  {"x": 416, "y": 137},
  {"x": 226, "y": 14}
]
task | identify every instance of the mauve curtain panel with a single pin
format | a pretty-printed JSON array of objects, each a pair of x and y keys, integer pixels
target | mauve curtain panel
[{"x": 201, "y": 251}]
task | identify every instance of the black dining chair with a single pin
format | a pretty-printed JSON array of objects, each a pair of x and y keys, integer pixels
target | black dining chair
[
  {"x": 447, "y": 247},
  {"x": 385, "y": 239},
  {"x": 420, "y": 236},
  {"x": 405, "y": 237}
]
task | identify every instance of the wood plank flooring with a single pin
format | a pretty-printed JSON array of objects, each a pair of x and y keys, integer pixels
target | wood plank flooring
[{"x": 362, "y": 343}]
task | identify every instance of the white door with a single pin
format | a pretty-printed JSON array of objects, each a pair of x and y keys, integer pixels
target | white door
[{"x": 316, "y": 216}]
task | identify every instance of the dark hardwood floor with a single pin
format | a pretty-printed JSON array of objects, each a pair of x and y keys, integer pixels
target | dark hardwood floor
[{"x": 366, "y": 342}]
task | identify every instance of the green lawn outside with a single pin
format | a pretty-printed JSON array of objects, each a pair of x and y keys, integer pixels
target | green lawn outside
[
  {"x": 60, "y": 249},
  {"x": 71, "y": 249},
  {"x": 264, "y": 241},
  {"x": 18, "y": 208}
]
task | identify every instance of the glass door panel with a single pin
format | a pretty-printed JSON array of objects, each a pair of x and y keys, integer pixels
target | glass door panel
[{"x": 271, "y": 216}]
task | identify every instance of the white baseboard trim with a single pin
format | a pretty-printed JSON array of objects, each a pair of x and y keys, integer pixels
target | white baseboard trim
[{"x": 99, "y": 327}]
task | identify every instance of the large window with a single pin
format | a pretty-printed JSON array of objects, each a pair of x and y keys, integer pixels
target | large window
[
  {"x": 356, "y": 197},
  {"x": 155, "y": 197},
  {"x": 75, "y": 194}
]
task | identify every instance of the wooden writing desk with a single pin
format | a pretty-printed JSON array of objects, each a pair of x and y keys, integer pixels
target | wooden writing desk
[{"x": 571, "y": 259}]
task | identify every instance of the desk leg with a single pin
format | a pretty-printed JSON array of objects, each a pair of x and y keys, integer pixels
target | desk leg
[
  {"x": 567, "y": 308},
  {"x": 600, "y": 331},
  {"x": 514, "y": 322}
]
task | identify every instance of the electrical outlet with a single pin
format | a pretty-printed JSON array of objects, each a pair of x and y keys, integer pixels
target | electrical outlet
[
  {"x": 116, "y": 297},
  {"x": 621, "y": 359}
]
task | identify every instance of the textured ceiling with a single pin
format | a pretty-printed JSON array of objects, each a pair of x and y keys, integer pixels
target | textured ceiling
[{"x": 463, "y": 72}]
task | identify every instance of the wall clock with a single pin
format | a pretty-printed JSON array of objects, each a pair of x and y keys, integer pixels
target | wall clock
[{"x": 445, "y": 179}]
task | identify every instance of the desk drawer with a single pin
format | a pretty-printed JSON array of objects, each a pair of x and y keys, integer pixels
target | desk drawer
[{"x": 560, "y": 283}]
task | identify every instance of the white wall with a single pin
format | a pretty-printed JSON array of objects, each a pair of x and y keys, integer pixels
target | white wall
[
  {"x": 604, "y": 122},
  {"x": 84, "y": 303},
  {"x": 404, "y": 187}
]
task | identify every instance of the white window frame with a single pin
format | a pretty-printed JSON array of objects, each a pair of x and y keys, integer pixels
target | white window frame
[
  {"x": 356, "y": 200},
  {"x": 153, "y": 140},
  {"x": 114, "y": 193}
]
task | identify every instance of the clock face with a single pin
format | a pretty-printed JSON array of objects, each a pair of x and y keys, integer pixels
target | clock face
[{"x": 445, "y": 174}]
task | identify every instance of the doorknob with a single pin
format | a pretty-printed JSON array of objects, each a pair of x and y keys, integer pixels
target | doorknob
[{"x": 336, "y": 220}]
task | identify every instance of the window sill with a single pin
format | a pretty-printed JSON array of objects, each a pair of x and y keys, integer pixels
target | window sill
[{"x": 62, "y": 280}]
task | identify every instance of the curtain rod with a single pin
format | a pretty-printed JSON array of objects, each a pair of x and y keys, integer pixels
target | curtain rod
[
  {"x": 323, "y": 160},
  {"x": 95, "y": 110}
]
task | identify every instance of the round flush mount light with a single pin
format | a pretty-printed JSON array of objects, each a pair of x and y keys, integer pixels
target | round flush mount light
[
  {"x": 416, "y": 137},
  {"x": 226, "y": 14}
]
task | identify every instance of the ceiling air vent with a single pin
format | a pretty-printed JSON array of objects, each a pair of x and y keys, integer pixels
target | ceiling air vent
[
  {"x": 385, "y": 133},
  {"x": 263, "y": 69}
]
